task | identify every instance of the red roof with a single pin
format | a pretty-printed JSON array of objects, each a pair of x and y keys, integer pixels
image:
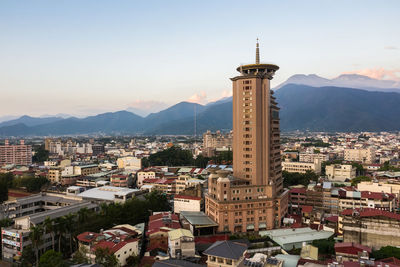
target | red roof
[
  {"x": 332, "y": 218},
  {"x": 87, "y": 237},
  {"x": 376, "y": 195},
  {"x": 161, "y": 215},
  {"x": 298, "y": 190},
  {"x": 187, "y": 197},
  {"x": 369, "y": 212},
  {"x": 113, "y": 246},
  {"x": 351, "y": 248},
  {"x": 307, "y": 209}
]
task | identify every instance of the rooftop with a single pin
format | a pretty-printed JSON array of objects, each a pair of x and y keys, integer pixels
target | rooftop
[
  {"x": 107, "y": 192},
  {"x": 295, "y": 235},
  {"x": 197, "y": 218},
  {"x": 226, "y": 249}
]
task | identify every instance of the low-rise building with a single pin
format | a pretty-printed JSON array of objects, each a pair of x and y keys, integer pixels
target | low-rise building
[
  {"x": 302, "y": 167},
  {"x": 181, "y": 243},
  {"x": 109, "y": 194},
  {"x": 121, "y": 240},
  {"x": 370, "y": 227},
  {"x": 225, "y": 253},
  {"x": 186, "y": 203},
  {"x": 338, "y": 172},
  {"x": 16, "y": 238},
  {"x": 360, "y": 155}
]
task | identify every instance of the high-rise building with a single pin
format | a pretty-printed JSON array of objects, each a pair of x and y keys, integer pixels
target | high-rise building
[
  {"x": 19, "y": 154},
  {"x": 253, "y": 198}
]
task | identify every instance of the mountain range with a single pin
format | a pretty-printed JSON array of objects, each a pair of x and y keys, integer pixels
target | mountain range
[{"x": 307, "y": 102}]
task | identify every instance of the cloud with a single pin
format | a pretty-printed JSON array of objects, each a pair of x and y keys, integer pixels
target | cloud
[
  {"x": 199, "y": 98},
  {"x": 390, "y": 47},
  {"x": 226, "y": 93},
  {"x": 378, "y": 73}
]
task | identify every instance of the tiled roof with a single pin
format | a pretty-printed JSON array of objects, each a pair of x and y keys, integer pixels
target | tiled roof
[
  {"x": 307, "y": 209},
  {"x": 376, "y": 195},
  {"x": 113, "y": 246},
  {"x": 359, "y": 247},
  {"x": 298, "y": 190},
  {"x": 187, "y": 197},
  {"x": 226, "y": 249},
  {"x": 369, "y": 212}
]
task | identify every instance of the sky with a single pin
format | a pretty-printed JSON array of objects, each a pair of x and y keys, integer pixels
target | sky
[{"x": 83, "y": 57}]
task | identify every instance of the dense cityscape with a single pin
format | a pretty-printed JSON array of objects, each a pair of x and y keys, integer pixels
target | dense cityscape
[
  {"x": 154, "y": 134},
  {"x": 250, "y": 196}
]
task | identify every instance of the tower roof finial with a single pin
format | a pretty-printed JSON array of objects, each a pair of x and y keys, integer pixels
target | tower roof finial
[{"x": 257, "y": 53}]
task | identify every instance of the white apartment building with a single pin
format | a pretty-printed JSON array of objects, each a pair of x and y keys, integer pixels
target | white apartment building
[
  {"x": 131, "y": 163},
  {"x": 181, "y": 243},
  {"x": 143, "y": 175},
  {"x": 302, "y": 167},
  {"x": 338, "y": 172},
  {"x": 307, "y": 157},
  {"x": 360, "y": 155},
  {"x": 186, "y": 203}
]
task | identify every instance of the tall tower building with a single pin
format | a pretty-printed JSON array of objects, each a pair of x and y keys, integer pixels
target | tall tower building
[{"x": 252, "y": 198}]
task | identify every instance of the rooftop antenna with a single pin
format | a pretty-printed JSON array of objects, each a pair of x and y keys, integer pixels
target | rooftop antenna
[{"x": 257, "y": 53}]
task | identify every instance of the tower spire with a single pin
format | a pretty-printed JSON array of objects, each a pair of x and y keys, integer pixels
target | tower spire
[{"x": 257, "y": 53}]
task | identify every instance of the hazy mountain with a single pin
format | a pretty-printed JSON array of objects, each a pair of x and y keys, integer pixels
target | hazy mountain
[
  {"x": 7, "y": 118},
  {"x": 302, "y": 108},
  {"x": 179, "y": 111},
  {"x": 220, "y": 101},
  {"x": 344, "y": 80},
  {"x": 337, "y": 109},
  {"x": 213, "y": 117},
  {"x": 30, "y": 121}
]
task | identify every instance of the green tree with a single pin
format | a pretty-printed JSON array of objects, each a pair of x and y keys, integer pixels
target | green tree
[
  {"x": 49, "y": 228},
  {"x": 28, "y": 256},
  {"x": 325, "y": 246},
  {"x": 105, "y": 257},
  {"x": 41, "y": 154},
  {"x": 359, "y": 168},
  {"x": 173, "y": 156},
  {"x": 52, "y": 258},
  {"x": 35, "y": 236},
  {"x": 79, "y": 256},
  {"x": 133, "y": 260},
  {"x": 3, "y": 190},
  {"x": 386, "y": 252},
  {"x": 387, "y": 167},
  {"x": 296, "y": 178},
  {"x": 359, "y": 179}
]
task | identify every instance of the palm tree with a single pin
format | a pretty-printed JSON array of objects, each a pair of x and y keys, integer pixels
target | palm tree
[
  {"x": 60, "y": 230},
  {"x": 36, "y": 238},
  {"x": 69, "y": 225},
  {"x": 49, "y": 229}
]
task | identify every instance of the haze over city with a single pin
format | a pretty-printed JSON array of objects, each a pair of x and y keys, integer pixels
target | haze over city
[{"x": 87, "y": 57}]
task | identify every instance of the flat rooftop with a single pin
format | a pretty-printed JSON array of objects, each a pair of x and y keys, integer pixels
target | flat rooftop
[
  {"x": 107, "y": 192},
  {"x": 296, "y": 235},
  {"x": 197, "y": 218}
]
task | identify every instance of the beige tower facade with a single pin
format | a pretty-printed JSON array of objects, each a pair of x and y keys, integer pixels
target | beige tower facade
[{"x": 252, "y": 198}]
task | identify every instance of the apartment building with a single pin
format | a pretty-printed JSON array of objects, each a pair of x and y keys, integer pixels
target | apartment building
[
  {"x": 187, "y": 203},
  {"x": 85, "y": 170},
  {"x": 370, "y": 227},
  {"x": 143, "y": 175},
  {"x": 360, "y": 155},
  {"x": 302, "y": 167},
  {"x": 16, "y": 238},
  {"x": 120, "y": 180},
  {"x": 310, "y": 157},
  {"x": 181, "y": 243},
  {"x": 129, "y": 163},
  {"x": 19, "y": 154},
  {"x": 214, "y": 141},
  {"x": 339, "y": 172}
]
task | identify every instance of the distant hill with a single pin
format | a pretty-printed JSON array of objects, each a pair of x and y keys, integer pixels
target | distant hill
[
  {"x": 303, "y": 107},
  {"x": 337, "y": 109},
  {"x": 30, "y": 121}
]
